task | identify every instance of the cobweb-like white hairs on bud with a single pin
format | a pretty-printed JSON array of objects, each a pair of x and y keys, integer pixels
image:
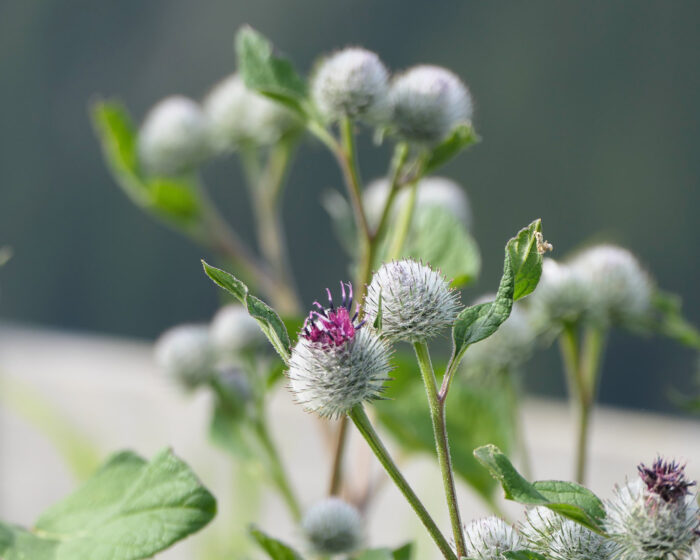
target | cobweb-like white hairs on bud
[
  {"x": 330, "y": 380},
  {"x": 432, "y": 191},
  {"x": 558, "y": 538},
  {"x": 352, "y": 83},
  {"x": 416, "y": 301},
  {"x": 333, "y": 527},
  {"x": 238, "y": 115},
  {"x": 489, "y": 538},
  {"x": 186, "y": 353},
  {"x": 233, "y": 331},
  {"x": 620, "y": 290},
  {"x": 645, "y": 527},
  {"x": 428, "y": 103},
  {"x": 174, "y": 137}
]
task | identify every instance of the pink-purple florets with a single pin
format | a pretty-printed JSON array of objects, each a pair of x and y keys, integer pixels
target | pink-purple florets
[
  {"x": 666, "y": 479},
  {"x": 333, "y": 326}
]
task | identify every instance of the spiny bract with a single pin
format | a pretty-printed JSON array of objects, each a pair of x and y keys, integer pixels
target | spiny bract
[{"x": 489, "y": 538}]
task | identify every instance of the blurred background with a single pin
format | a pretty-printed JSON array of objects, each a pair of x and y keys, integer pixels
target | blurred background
[{"x": 588, "y": 112}]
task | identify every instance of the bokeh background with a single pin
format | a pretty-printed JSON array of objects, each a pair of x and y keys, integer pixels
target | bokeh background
[{"x": 589, "y": 116}]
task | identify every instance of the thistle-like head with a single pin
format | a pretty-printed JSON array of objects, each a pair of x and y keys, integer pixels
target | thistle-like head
[
  {"x": 416, "y": 302},
  {"x": 558, "y": 538},
  {"x": 489, "y": 538},
  {"x": 238, "y": 116},
  {"x": 333, "y": 527},
  {"x": 647, "y": 527},
  {"x": 174, "y": 137},
  {"x": 352, "y": 83},
  {"x": 337, "y": 362},
  {"x": 428, "y": 103},
  {"x": 187, "y": 354}
]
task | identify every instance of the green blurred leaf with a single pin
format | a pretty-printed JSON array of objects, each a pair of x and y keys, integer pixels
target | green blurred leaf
[
  {"x": 267, "y": 318},
  {"x": 668, "y": 320},
  {"x": 440, "y": 239},
  {"x": 130, "y": 509},
  {"x": 275, "y": 549},
  {"x": 566, "y": 498},
  {"x": 175, "y": 199},
  {"x": 522, "y": 269},
  {"x": 462, "y": 137},
  {"x": 233, "y": 434},
  {"x": 262, "y": 71},
  {"x": 523, "y": 555},
  {"x": 404, "y": 552},
  {"x": 375, "y": 554},
  {"x": 476, "y": 415}
]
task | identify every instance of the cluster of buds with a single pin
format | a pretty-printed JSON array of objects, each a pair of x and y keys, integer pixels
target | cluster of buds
[
  {"x": 195, "y": 355},
  {"x": 604, "y": 284},
  {"x": 178, "y": 134},
  {"x": 422, "y": 105}
]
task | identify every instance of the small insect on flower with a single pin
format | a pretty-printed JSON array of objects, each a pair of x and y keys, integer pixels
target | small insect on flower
[
  {"x": 337, "y": 362},
  {"x": 333, "y": 527},
  {"x": 489, "y": 538},
  {"x": 416, "y": 302}
]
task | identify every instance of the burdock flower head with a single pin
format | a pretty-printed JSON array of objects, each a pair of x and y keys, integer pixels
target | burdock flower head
[
  {"x": 338, "y": 362},
  {"x": 655, "y": 516},
  {"x": 333, "y": 527},
  {"x": 428, "y": 103},
  {"x": 187, "y": 354},
  {"x": 416, "y": 302},
  {"x": 352, "y": 83},
  {"x": 489, "y": 538}
]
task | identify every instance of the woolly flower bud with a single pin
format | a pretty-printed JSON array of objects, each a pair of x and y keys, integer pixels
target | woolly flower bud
[
  {"x": 561, "y": 296},
  {"x": 238, "y": 115},
  {"x": 333, "y": 527},
  {"x": 352, "y": 83},
  {"x": 233, "y": 331},
  {"x": 489, "y": 538},
  {"x": 620, "y": 289},
  {"x": 428, "y": 103},
  {"x": 432, "y": 191},
  {"x": 173, "y": 138},
  {"x": 185, "y": 352},
  {"x": 416, "y": 302},
  {"x": 558, "y": 538},
  {"x": 695, "y": 552},
  {"x": 336, "y": 364},
  {"x": 646, "y": 527}
]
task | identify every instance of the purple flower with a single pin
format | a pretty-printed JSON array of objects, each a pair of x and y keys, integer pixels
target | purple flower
[
  {"x": 666, "y": 479},
  {"x": 331, "y": 325}
]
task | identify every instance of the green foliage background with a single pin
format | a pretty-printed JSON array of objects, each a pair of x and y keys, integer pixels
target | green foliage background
[{"x": 588, "y": 114}]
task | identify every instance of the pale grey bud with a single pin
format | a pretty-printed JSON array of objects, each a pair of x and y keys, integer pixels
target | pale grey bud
[
  {"x": 428, "y": 103},
  {"x": 352, "y": 83},
  {"x": 234, "y": 331},
  {"x": 333, "y": 527},
  {"x": 174, "y": 137},
  {"x": 186, "y": 353}
]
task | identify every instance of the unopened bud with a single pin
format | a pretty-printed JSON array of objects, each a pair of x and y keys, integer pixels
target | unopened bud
[
  {"x": 186, "y": 353},
  {"x": 333, "y": 527}
]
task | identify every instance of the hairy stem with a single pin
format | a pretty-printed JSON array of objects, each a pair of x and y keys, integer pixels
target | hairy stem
[
  {"x": 338, "y": 454},
  {"x": 437, "y": 415},
  {"x": 359, "y": 417},
  {"x": 404, "y": 224}
]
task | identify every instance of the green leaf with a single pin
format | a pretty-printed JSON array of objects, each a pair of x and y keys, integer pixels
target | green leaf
[
  {"x": 270, "y": 323},
  {"x": 375, "y": 554},
  {"x": 439, "y": 238},
  {"x": 275, "y": 549},
  {"x": 566, "y": 498},
  {"x": 477, "y": 415},
  {"x": 523, "y": 555},
  {"x": 462, "y": 137},
  {"x": 272, "y": 76},
  {"x": 404, "y": 552},
  {"x": 128, "y": 510},
  {"x": 522, "y": 269},
  {"x": 175, "y": 199},
  {"x": 233, "y": 434},
  {"x": 668, "y": 320}
]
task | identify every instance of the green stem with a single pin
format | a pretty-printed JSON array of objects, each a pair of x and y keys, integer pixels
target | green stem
[
  {"x": 404, "y": 224},
  {"x": 348, "y": 163},
  {"x": 279, "y": 477},
  {"x": 359, "y": 417},
  {"x": 337, "y": 468},
  {"x": 582, "y": 366},
  {"x": 437, "y": 414}
]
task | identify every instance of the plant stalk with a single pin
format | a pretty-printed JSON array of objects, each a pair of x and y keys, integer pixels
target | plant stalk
[
  {"x": 359, "y": 417},
  {"x": 338, "y": 455},
  {"x": 437, "y": 415}
]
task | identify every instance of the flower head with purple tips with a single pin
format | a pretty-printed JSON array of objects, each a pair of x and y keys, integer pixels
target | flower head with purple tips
[
  {"x": 333, "y": 325},
  {"x": 666, "y": 479}
]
